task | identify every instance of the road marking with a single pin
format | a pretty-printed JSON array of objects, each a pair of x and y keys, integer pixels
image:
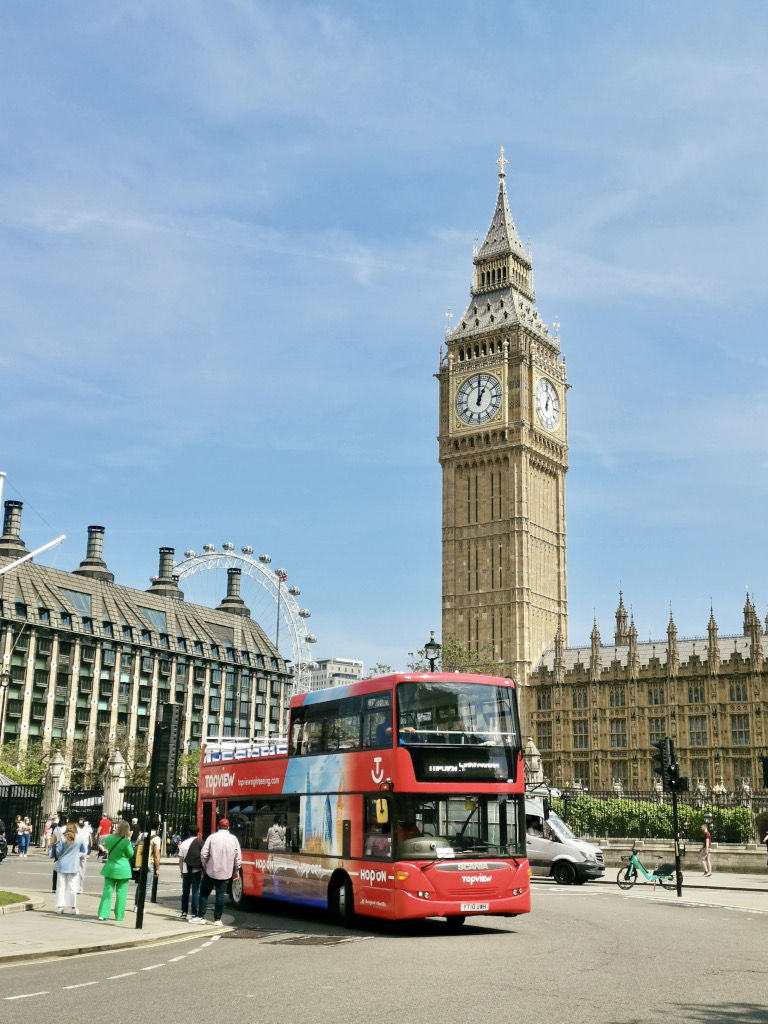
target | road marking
[
  {"x": 153, "y": 967},
  {"x": 175, "y": 959},
  {"x": 27, "y": 995},
  {"x": 114, "y": 977},
  {"x": 83, "y": 984}
]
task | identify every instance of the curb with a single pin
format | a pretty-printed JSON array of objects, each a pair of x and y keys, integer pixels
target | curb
[{"x": 21, "y": 906}]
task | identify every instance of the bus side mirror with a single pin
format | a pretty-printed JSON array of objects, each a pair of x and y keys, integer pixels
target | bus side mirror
[{"x": 382, "y": 812}]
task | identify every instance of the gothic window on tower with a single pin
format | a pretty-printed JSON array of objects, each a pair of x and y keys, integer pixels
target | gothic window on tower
[
  {"x": 740, "y": 730},
  {"x": 544, "y": 698},
  {"x": 655, "y": 694},
  {"x": 696, "y": 693},
  {"x": 620, "y": 772},
  {"x": 546, "y": 767},
  {"x": 657, "y": 730},
  {"x": 544, "y": 735},
  {"x": 617, "y": 697},
  {"x": 742, "y": 771},
  {"x": 699, "y": 770},
  {"x": 697, "y": 725},
  {"x": 579, "y": 697},
  {"x": 581, "y": 734},
  {"x": 739, "y": 690},
  {"x": 618, "y": 733}
]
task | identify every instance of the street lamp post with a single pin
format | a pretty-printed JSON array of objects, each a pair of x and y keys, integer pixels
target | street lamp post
[
  {"x": 5, "y": 678},
  {"x": 432, "y": 650}
]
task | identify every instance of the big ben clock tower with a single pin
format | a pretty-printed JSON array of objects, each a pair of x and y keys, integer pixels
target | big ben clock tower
[{"x": 504, "y": 454}]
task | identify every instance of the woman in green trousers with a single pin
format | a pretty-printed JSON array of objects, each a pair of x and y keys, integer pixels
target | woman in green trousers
[{"x": 117, "y": 871}]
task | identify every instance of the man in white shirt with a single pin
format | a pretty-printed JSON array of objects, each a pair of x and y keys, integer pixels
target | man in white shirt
[{"x": 222, "y": 861}]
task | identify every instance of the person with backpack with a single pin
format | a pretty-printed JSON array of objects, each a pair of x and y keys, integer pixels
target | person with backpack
[{"x": 191, "y": 870}]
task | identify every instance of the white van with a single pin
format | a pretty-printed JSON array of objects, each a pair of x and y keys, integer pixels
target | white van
[{"x": 554, "y": 850}]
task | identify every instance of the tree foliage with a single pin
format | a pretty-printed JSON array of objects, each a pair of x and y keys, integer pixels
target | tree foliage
[
  {"x": 456, "y": 657},
  {"x": 378, "y": 670}
]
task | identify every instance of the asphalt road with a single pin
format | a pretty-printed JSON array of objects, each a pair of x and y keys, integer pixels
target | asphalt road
[{"x": 589, "y": 954}]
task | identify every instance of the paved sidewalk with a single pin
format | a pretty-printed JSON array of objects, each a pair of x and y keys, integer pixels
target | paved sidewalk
[{"x": 42, "y": 932}]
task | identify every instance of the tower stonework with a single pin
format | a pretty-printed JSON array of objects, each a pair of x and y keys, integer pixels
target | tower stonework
[{"x": 504, "y": 455}]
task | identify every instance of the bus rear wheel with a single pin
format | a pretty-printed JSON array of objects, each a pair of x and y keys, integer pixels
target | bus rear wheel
[
  {"x": 236, "y": 893},
  {"x": 341, "y": 902}
]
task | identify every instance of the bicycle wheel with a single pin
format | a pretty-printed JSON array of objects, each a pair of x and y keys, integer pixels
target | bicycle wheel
[
  {"x": 670, "y": 881},
  {"x": 626, "y": 877}
]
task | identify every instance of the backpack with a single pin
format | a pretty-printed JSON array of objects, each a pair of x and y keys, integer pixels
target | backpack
[{"x": 192, "y": 858}]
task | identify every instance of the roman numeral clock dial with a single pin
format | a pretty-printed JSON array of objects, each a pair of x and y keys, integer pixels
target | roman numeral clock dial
[
  {"x": 478, "y": 399},
  {"x": 547, "y": 404}
]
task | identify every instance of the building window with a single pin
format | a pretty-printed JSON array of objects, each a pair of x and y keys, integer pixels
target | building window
[
  {"x": 739, "y": 690},
  {"x": 620, "y": 772},
  {"x": 579, "y": 697},
  {"x": 740, "y": 730},
  {"x": 546, "y": 769},
  {"x": 696, "y": 694},
  {"x": 698, "y": 730},
  {"x": 617, "y": 697},
  {"x": 742, "y": 770},
  {"x": 581, "y": 774},
  {"x": 699, "y": 770},
  {"x": 655, "y": 694},
  {"x": 581, "y": 735},
  {"x": 544, "y": 735},
  {"x": 657, "y": 730},
  {"x": 544, "y": 698},
  {"x": 618, "y": 733}
]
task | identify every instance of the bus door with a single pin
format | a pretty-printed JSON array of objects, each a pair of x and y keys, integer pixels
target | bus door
[
  {"x": 212, "y": 811},
  {"x": 377, "y": 837}
]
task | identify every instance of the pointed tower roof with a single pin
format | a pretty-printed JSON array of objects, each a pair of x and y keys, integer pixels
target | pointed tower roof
[{"x": 502, "y": 237}]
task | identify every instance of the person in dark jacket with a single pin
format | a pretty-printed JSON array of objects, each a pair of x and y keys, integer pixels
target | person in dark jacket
[{"x": 191, "y": 868}]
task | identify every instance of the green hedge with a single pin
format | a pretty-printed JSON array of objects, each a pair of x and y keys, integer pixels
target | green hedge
[{"x": 644, "y": 819}]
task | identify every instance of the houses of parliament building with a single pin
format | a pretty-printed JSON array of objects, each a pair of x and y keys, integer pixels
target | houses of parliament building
[{"x": 593, "y": 712}]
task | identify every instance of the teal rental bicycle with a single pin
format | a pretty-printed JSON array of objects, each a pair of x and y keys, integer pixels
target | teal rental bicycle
[{"x": 663, "y": 873}]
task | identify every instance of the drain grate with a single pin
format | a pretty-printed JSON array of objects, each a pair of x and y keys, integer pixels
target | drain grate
[{"x": 248, "y": 933}]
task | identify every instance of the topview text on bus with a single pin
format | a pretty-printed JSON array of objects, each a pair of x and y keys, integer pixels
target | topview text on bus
[{"x": 397, "y": 797}]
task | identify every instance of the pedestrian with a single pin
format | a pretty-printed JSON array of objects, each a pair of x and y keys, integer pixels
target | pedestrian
[
  {"x": 221, "y": 859},
  {"x": 765, "y": 840},
  {"x": 13, "y": 833},
  {"x": 56, "y": 835},
  {"x": 24, "y": 833},
  {"x": 105, "y": 829},
  {"x": 82, "y": 833},
  {"x": 70, "y": 849},
  {"x": 705, "y": 851},
  {"x": 116, "y": 872},
  {"x": 48, "y": 833},
  {"x": 191, "y": 868},
  {"x": 135, "y": 831},
  {"x": 153, "y": 866}
]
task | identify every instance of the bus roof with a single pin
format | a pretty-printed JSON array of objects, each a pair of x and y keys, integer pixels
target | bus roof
[{"x": 376, "y": 683}]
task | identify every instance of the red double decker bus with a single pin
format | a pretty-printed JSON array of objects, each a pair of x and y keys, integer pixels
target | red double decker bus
[{"x": 398, "y": 797}]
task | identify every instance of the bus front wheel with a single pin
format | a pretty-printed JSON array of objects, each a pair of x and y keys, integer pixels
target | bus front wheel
[
  {"x": 236, "y": 894},
  {"x": 341, "y": 902},
  {"x": 455, "y": 922}
]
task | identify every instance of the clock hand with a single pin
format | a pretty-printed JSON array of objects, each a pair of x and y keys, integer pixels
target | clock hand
[{"x": 480, "y": 393}]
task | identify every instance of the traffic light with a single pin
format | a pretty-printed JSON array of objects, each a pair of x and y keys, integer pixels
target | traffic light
[
  {"x": 679, "y": 783},
  {"x": 663, "y": 762}
]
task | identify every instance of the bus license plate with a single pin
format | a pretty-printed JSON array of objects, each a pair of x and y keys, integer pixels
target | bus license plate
[{"x": 473, "y": 908}]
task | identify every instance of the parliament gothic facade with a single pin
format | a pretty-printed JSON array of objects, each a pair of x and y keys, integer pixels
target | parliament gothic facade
[{"x": 592, "y": 711}]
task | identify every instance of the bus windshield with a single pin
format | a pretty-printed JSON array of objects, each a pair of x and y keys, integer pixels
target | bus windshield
[
  {"x": 461, "y": 827},
  {"x": 461, "y": 712}
]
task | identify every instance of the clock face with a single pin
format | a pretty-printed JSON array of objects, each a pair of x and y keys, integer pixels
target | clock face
[
  {"x": 479, "y": 398},
  {"x": 547, "y": 404}
]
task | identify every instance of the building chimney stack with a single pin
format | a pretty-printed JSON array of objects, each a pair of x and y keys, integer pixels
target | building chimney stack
[
  {"x": 94, "y": 566},
  {"x": 233, "y": 603},
  {"x": 11, "y": 543},
  {"x": 166, "y": 583}
]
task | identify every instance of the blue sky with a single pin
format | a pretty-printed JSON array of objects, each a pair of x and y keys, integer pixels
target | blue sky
[{"x": 230, "y": 235}]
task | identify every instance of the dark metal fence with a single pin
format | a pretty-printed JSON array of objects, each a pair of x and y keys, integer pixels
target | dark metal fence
[
  {"x": 732, "y": 818},
  {"x": 180, "y": 809},
  {"x": 26, "y": 801}
]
